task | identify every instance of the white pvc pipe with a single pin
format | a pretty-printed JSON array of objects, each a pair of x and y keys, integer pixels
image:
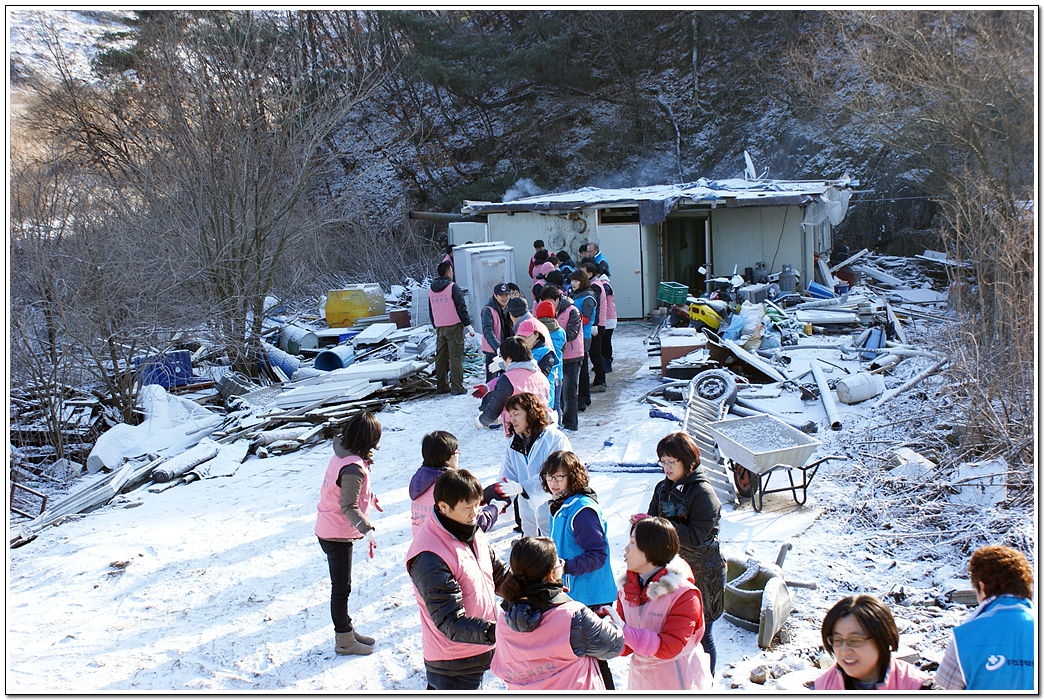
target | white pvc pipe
[{"x": 826, "y": 395}]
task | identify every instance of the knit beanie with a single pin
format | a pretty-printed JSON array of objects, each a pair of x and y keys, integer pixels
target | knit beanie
[
  {"x": 545, "y": 309},
  {"x": 517, "y": 306}
]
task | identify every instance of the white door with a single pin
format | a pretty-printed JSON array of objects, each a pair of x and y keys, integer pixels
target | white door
[{"x": 622, "y": 248}]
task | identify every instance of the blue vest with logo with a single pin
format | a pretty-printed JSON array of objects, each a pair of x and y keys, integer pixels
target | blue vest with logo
[
  {"x": 592, "y": 588},
  {"x": 995, "y": 647}
]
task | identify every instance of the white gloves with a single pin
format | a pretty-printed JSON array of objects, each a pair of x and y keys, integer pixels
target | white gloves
[
  {"x": 371, "y": 537},
  {"x": 594, "y": 331},
  {"x": 470, "y": 330},
  {"x": 613, "y": 615},
  {"x": 497, "y": 365},
  {"x": 478, "y": 423},
  {"x": 509, "y": 488}
]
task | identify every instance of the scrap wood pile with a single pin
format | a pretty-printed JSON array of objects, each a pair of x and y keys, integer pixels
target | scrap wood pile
[{"x": 310, "y": 381}]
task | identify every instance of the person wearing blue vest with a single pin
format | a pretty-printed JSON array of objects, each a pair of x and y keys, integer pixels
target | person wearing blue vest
[
  {"x": 994, "y": 649},
  {"x": 594, "y": 251},
  {"x": 579, "y": 532}
]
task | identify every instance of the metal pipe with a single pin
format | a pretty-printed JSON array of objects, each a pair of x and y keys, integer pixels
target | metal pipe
[
  {"x": 744, "y": 408},
  {"x": 442, "y": 216},
  {"x": 826, "y": 396}
]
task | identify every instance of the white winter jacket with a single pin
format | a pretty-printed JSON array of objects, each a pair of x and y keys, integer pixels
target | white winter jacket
[{"x": 525, "y": 469}]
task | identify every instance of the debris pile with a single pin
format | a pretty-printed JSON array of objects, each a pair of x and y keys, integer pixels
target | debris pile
[{"x": 311, "y": 379}]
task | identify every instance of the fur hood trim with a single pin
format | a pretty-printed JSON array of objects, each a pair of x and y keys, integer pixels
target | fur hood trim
[{"x": 668, "y": 580}]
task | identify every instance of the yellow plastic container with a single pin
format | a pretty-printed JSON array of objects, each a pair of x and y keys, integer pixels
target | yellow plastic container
[{"x": 342, "y": 306}]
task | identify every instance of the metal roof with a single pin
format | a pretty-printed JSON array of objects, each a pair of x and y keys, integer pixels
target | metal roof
[{"x": 656, "y": 201}]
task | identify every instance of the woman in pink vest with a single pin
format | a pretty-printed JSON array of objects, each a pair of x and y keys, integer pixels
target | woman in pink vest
[
  {"x": 610, "y": 317},
  {"x": 569, "y": 319},
  {"x": 521, "y": 374},
  {"x": 545, "y": 639},
  {"x": 439, "y": 453},
  {"x": 345, "y": 498},
  {"x": 662, "y": 614},
  {"x": 860, "y": 633}
]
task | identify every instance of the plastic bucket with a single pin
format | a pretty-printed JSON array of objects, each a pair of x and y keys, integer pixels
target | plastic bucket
[
  {"x": 168, "y": 370},
  {"x": 819, "y": 291},
  {"x": 859, "y": 387},
  {"x": 336, "y": 357}
]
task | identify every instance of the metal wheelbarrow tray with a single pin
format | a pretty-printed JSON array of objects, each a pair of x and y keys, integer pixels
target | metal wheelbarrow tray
[{"x": 763, "y": 445}]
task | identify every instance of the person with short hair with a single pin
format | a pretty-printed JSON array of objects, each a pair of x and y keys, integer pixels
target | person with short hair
[
  {"x": 521, "y": 374},
  {"x": 494, "y": 325},
  {"x": 455, "y": 573},
  {"x": 514, "y": 291},
  {"x": 579, "y": 531},
  {"x": 610, "y": 317},
  {"x": 569, "y": 319},
  {"x": 860, "y": 633},
  {"x": 547, "y": 640},
  {"x": 439, "y": 451},
  {"x": 343, "y": 518},
  {"x": 586, "y": 301},
  {"x": 532, "y": 438},
  {"x": 449, "y": 315},
  {"x": 595, "y": 251},
  {"x": 565, "y": 263},
  {"x": 686, "y": 498},
  {"x": 538, "y": 245},
  {"x": 994, "y": 648},
  {"x": 660, "y": 612},
  {"x": 595, "y": 352}
]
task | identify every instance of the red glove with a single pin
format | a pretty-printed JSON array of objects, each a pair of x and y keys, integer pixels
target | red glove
[
  {"x": 638, "y": 516},
  {"x": 585, "y": 319},
  {"x": 480, "y": 390}
]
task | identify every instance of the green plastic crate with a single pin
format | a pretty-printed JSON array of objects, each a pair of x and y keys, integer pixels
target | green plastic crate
[{"x": 672, "y": 292}]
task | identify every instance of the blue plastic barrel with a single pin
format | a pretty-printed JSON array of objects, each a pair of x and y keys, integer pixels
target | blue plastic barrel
[
  {"x": 168, "y": 370},
  {"x": 277, "y": 358},
  {"x": 337, "y": 357},
  {"x": 820, "y": 291}
]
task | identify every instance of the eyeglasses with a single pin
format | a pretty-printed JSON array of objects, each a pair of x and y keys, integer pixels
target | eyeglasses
[
  {"x": 852, "y": 642},
  {"x": 669, "y": 462},
  {"x": 557, "y": 478}
]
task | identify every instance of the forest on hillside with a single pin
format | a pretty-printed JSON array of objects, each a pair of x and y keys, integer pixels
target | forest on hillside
[{"x": 216, "y": 157}]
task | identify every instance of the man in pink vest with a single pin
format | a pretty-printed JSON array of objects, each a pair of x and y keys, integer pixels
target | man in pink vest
[
  {"x": 493, "y": 322},
  {"x": 449, "y": 315},
  {"x": 521, "y": 373},
  {"x": 455, "y": 574},
  {"x": 598, "y": 288}
]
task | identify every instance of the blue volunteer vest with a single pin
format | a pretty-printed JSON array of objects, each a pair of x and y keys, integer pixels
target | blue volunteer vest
[
  {"x": 995, "y": 647},
  {"x": 591, "y": 588}
]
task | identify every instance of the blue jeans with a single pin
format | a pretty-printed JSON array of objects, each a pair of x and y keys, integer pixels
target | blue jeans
[
  {"x": 708, "y": 644},
  {"x": 437, "y": 681}
]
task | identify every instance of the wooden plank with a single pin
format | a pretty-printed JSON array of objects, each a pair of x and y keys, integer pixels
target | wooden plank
[{"x": 849, "y": 260}]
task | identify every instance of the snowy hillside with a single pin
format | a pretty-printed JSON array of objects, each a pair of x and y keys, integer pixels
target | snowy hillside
[{"x": 220, "y": 585}]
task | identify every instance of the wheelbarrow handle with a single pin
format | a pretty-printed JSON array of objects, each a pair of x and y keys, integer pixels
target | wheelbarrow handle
[{"x": 811, "y": 585}]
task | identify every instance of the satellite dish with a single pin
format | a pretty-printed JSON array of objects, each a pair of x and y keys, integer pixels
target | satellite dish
[{"x": 750, "y": 173}]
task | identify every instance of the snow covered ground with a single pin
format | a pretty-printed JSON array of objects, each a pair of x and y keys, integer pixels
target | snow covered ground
[{"x": 220, "y": 585}]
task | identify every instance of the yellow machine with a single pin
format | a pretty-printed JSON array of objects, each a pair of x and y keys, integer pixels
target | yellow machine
[{"x": 708, "y": 312}]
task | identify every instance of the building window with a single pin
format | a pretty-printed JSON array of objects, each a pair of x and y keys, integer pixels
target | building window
[{"x": 623, "y": 215}]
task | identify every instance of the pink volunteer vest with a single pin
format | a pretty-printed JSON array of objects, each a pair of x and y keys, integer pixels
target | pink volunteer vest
[
  {"x": 474, "y": 575},
  {"x": 610, "y": 305},
  {"x": 573, "y": 348},
  {"x": 330, "y": 522},
  {"x": 602, "y": 306},
  {"x": 421, "y": 508},
  {"x": 495, "y": 315},
  {"x": 443, "y": 310},
  {"x": 523, "y": 380},
  {"x": 543, "y": 659},
  {"x": 689, "y": 670}
]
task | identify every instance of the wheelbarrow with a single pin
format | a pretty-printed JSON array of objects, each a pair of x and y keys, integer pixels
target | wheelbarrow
[
  {"x": 763, "y": 445},
  {"x": 757, "y": 596}
]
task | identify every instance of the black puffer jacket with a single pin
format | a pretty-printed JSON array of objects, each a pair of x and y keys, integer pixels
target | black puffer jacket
[
  {"x": 589, "y": 635},
  {"x": 445, "y": 603},
  {"x": 694, "y": 509}
]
